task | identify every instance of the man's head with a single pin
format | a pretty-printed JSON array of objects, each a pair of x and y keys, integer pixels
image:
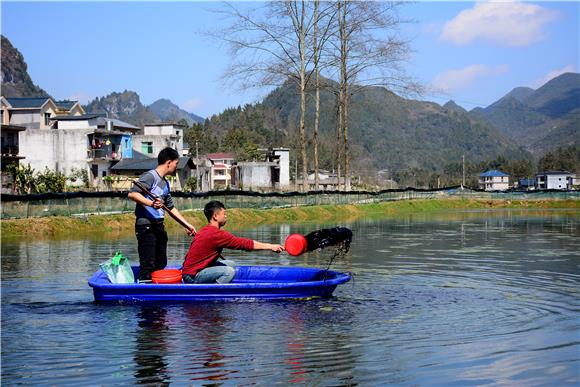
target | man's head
[
  {"x": 215, "y": 212},
  {"x": 167, "y": 160}
]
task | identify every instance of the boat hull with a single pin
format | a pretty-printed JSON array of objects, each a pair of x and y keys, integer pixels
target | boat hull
[{"x": 250, "y": 283}]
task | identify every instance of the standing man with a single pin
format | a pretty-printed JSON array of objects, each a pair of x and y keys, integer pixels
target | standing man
[
  {"x": 202, "y": 264},
  {"x": 149, "y": 214}
]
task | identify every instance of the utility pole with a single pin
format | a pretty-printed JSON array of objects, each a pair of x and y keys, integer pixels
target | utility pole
[
  {"x": 463, "y": 168},
  {"x": 196, "y": 167}
]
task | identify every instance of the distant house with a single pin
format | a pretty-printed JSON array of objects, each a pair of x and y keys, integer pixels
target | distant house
[
  {"x": 156, "y": 136},
  {"x": 493, "y": 180},
  {"x": 221, "y": 169},
  {"x": 527, "y": 184},
  {"x": 36, "y": 113},
  {"x": 554, "y": 180},
  {"x": 271, "y": 174},
  {"x": 88, "y": 142},
  {"x": 327, "y": 181},
  {"x": 126, "y": 170}
]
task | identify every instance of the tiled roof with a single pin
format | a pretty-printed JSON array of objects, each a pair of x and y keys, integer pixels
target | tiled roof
[
  {"x": 220, "y": 156},
  {"x": 27, "y": 102},
  {"x": 553, "y": 173},
  {"x": 65, "y": 104},
  {"x": 493, "y": 173}
]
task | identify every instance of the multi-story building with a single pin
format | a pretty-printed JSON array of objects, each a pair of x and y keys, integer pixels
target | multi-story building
[
  {"x": 554, "y": 180},
  {"x": 493, "y": 180}
]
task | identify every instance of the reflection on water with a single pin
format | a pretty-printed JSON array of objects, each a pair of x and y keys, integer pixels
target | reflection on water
[{"x": 467, "y": 298}]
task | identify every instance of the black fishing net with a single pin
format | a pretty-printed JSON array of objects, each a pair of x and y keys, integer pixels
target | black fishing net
[{"x": 339, "y": 237}]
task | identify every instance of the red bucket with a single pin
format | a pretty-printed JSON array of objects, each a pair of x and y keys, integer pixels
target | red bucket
[
  {"x": 295, "y": 244},
  {"x": 166, "y": 276}
]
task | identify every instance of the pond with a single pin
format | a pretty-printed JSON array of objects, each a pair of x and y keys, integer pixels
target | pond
[{"x": 465, "y": 298}]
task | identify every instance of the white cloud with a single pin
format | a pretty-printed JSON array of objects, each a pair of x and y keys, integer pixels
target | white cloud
[
  {"x": 459, "y": 79},
  {"x": 552, "y": 74},
  {"x": 507, "y": 23},
  {"x": 191, "y": 104}
]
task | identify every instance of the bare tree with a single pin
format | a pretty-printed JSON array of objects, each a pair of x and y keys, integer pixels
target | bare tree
[
  {"x": 269, "y": 45},
  {"x": 368, "y": 52}
]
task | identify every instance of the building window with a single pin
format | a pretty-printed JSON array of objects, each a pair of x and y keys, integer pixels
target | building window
[
  {"x": 46, "y": 119},
  {"x": 147, "y": 147}
]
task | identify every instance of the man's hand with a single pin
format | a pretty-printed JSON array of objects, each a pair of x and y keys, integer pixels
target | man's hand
[
  {"x": 191, "y": 232},
  {"x": 277, "y": 248},
  {"x": 157, "y": 203}
]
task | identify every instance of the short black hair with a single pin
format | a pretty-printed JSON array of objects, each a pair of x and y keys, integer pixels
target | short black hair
[
  {"x": 167, "y": 154},
  {"x": 211, "y": 208}
]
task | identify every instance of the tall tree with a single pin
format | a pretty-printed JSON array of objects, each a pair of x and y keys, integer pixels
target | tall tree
[
  {"x": 368, "y": 51},
  {"x": 269, "y": 45}
]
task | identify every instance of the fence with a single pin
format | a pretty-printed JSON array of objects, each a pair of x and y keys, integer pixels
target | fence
[{"x": 86, "y": 203}]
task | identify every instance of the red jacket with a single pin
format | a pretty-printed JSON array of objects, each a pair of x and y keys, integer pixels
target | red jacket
[{"x": 207, "y": 246}]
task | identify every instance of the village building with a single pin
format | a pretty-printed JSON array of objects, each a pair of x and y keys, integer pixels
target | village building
[
  {"x": 272, "y": 174},
  {"x": 221, "y": 177},
  {"x": 554, "y": 180},
  {"x": 127, "y": 170},
  {"x": 156, "y": 136},
  {"x": 493, "y": 180}
]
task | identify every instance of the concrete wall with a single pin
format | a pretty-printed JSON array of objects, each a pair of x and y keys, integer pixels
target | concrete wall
[
  {"x": 557, "y": 181},
  {"x": 284, "y": 166},
  {"x": 254, "y": 175},
  {"x": 27, "y": 118},
  {"x": 78, "y": 124},
  {"x": 60, "y": 150}
]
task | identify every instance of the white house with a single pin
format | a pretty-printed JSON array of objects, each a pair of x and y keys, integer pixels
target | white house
[
  {"x": 220, "y": 175},
  {"x": 554, "y": 180},
  {"x": 494, "y": 180},
  {"x": 88, "y": 142},
  {"x": 157, "y": 136},
  {"x": 271, "y": 174}
]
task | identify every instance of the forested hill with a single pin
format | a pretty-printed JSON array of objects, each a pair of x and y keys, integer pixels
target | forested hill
[
  {"x": 540, "y": 120},
  {"x": 385, "y": 130}
]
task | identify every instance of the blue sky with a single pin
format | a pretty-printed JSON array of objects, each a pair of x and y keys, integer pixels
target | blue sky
[{"x": 471, "y": 52}]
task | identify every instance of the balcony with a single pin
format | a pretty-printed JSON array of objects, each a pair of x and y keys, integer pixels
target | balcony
[
  {"x": 10, "y": 150},
  {"x": 102, "y": 154}
]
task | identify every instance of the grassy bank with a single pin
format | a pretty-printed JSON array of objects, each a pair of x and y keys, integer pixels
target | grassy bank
[{"x": 113, "y": 225}]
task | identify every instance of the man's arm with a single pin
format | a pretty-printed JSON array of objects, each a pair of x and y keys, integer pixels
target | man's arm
[
  {"x": 268, "y": 246},
  {"x": 138, "y": 198},
  {"x": 178, "y": 215}
]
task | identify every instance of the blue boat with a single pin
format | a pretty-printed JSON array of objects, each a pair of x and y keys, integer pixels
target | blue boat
[{"x": 249, "y": 283}]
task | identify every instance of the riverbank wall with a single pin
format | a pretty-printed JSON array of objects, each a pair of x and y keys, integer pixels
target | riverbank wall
[{"x": 111, "y": 224}]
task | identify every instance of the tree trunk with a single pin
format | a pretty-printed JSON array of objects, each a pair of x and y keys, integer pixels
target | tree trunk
[
  {"x": 316, "y": 98},
  {"x": 302, "y": 48}
]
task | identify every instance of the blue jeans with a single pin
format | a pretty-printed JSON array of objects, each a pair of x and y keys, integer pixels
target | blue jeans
[{"x": 221, "y": 271}]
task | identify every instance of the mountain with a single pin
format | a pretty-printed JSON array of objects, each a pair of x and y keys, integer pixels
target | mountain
[
  {"x": 15, "y": 79},
  {"x": 453, "y": 107},
  {"x": 125, "y": 106},
  {"x": 539, "y": 120},
  {"x": 385, "y": 130},
  {"x": 168, "y": 111}
]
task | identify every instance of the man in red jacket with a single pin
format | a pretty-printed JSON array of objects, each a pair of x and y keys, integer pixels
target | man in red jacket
[{"x": 202, "y": 264}]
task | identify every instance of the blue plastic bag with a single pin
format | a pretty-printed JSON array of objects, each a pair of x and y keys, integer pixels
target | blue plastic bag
[{"x": 118, "y": 269}]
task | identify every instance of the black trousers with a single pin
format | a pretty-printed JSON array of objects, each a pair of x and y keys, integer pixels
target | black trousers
[{"x": 152, "y": 247}]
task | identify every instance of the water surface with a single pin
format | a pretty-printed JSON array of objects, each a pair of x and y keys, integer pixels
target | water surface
[{"x": 470, "y": 298}]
